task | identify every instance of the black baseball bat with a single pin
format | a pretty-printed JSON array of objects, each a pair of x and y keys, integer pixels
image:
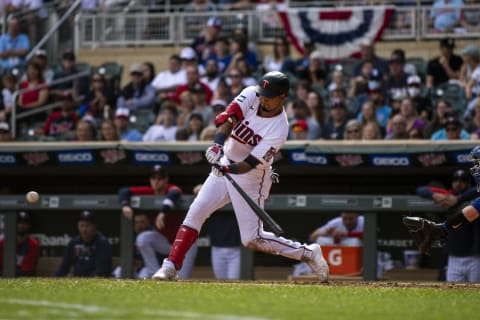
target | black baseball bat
[{"x": 262, "y": 214}]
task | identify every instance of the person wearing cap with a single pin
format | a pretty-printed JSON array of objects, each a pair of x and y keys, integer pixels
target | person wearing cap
[
  {"x": 303, "y": 127},
  {"x": 446, "y": 66},
  {"x": 195, "y": 23},
  {"x": 204, "y": 44},
  {"x": 463, "y": 252},
  {"x": 452, "y": 130},
  {"x": 68, "y": 68},
  {"x": 166, "y": 220},
  {"x": 137, "y": 94},
  {"x": 63, "y": 122},
  {"x": 28, "y": 248},
  {"x": 396, "y": 83},
  {"x": 5, "y": 135},
  {"x": 166, "y": 82},
  {"x": 122, "y": 123},
  {"x": 88, "y": 254},
  {"x": 336, "y": 121},
  {"x": 446, "y": 14},
  {"x": 249, "y": 133},
  {"x": 14, "y": 45},
  {"x": 42, "y": 59},
  {"x": 212, "y": 74}
]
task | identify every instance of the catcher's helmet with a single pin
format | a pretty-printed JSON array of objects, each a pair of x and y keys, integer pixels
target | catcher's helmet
[
  {"x": 475, "y": 170},
  {"x": 273, "y": 84}
]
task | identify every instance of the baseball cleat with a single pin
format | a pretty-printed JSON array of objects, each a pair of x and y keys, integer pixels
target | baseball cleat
[
  {"x": 318, "y": 263},
  {"x": 167, "y": 272}
]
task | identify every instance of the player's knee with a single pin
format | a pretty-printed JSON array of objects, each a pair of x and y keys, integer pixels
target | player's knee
[
  {"x": 253, "y": 243},
  {"x": 143, "y": 239}
]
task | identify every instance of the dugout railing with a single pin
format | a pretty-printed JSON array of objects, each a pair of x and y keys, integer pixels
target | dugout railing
[{"x": 369, "y": 205}]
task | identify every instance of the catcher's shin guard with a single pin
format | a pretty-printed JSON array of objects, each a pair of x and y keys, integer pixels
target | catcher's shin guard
[{"x": 424, "y": 232}]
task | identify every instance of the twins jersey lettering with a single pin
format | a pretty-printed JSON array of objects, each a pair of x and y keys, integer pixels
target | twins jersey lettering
[{"x": 255, "y": 135}]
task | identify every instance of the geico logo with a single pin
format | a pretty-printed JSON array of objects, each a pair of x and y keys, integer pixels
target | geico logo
[
  {"x": 316, "y": 159},
  {"x": 75, "y": 157},
  {"x": 7, "y": 159},
  {"x": 299, "y": 156},
  {"x": 391, "y": 161},
  {"x": 335, "y": 257},
  {"x": 149, "y": 157},
  {"x": 463, "y": 158}
]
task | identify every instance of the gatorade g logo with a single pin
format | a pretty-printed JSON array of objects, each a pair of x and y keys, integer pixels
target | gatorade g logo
[
  {"x": 265, "y": 84},
  {"x": 335, "y": 257}
]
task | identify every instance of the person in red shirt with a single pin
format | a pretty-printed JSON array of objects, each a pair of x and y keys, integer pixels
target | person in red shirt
[
  {"x": 167, "y": 221},
  {"x": 28, "y": 248},
  {"x": 64, "y": 121},
  {"x": 193, "y": 79}
]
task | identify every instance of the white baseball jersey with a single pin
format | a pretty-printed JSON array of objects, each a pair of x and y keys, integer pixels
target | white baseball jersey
[{"x": 261, "y": 137}]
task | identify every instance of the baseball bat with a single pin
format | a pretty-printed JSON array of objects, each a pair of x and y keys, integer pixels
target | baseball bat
[{"x": 262, "y": 214}]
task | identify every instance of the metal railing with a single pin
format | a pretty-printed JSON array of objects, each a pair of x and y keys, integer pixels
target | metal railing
[
  {"x": 140, "y": 26},
  {"x": 15, "y": 116}
]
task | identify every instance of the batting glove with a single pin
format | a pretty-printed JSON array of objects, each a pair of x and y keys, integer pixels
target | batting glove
[
  {"x": 275, "y": 176},
  {"x": 219, "y": 169},
  {"x": 214, "y": 153}
]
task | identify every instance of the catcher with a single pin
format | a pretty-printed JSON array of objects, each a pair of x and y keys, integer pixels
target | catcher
[{"x": 426, "y": 232}]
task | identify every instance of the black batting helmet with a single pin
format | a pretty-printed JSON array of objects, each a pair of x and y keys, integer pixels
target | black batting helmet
[{"x": 273, "y": 84}]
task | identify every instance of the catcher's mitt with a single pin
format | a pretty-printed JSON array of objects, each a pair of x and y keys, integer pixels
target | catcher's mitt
[{"x": 424, "y": 232}]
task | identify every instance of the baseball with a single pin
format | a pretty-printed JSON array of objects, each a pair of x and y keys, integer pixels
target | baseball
[{"x": 32, "y": 197}]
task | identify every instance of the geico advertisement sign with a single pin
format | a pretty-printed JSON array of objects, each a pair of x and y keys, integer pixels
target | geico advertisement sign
[
  {"x": 151, "y": 157},
  {"x": 75, "y": 157},
  {"x": 300, "y": 157},
  {"x": 390, "y": 160},
  {"x": 7, "y": 159}
]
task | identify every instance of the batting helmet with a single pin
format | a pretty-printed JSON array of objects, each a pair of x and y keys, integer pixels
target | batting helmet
[{"x": 273, "y": 84}]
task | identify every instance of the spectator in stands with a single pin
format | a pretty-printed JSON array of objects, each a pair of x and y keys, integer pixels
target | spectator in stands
[
  {"x": 122, "y": 123},
  {"x": 421, "y": 102},
  {"x": 223, "y": 91},
  {"x": 108, "y": 131},
  {"x": 194, "y": 23},
  {"x": 239, "y": 50},
  {"x": 235, "y": 79},
  {"x": 302, "y": 63},
  {"x": 462, "y": 250},
  {"x": 470, "y": 17},
  {"x": 193, "y": 82},
  {"x": 246, "y": 71},
  {"x": 35, "y": 98},
  {"x": 398, "y": 130},
  {"x": 336, "y": 121},
  {"x": 303, "y": 119},
  {"x": 208, "y": 133},
  {"x": 410, "y": 113},
  {"x": 367, "y": 53},
  {"x": 338, "y": 80},
  {"x": 446, "y": 66},
  {"x": 396, "y": 83},
  {"x": 9, "y": 82},
  {"x": 353, "y": 130},
  {"x": 89, "y": 253},
  {"x": 42, "y": 59},
  {"x": 204, "y": 44},
  {"x": 61, "y": 124},
  {"x": 85, "y": 131},
  {"x": 416, "y": 132},
  {"x": 317, "y": 75},
  {"x": 164, "y": 128},
  {"x": 368, "y": 115},
  {"x": 212, "y": 75},
  {"x": 446, "y": 14},
  {"x": 141, "y": 223},
  {"x": 359, "y": 83},
  {"x": 471, "y": 55},
  {"x": 195, "y": 127},
  {"x": 371, "y": 131},
  {"x": 345, "y": 230},
  {"x": 452, "y": 130},
  {"x": 443, "y": 109},
  {"x": 137, "y": 94},
  {"x": 32, "y": 12},
  {"x": 5, "y": 135},
  {"x": 27, "y": 250},
  {"x": 221, "y": 54},
  {"x": 14, "y": 45},
  {"x": 148, "y": 73},
  {"x": 68, "y": 68},
  {"x": 167, "y": 221},
  {"x": 316, "y": 108},
  {"x": 200, "y": 105},
  {"x": 280, "y": 59},
  {"x": 184, "y": 108},
  {"x": 189, "y": 59},
  {"x": 99, "y": 102},
  {"x": 166, "y": 82}
]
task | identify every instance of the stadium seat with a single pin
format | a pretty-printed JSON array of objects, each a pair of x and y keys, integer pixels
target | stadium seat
[
  {"x": 420, "y": 65},
  {"x": 113, "y": 73},
  {"x": 453, "y": 93}
]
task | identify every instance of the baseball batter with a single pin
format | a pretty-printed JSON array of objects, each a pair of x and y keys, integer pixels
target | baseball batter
[{"x": 249, "y": 133}]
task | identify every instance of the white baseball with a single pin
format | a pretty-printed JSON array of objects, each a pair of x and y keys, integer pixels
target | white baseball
[{"x": 32, "y": 197}]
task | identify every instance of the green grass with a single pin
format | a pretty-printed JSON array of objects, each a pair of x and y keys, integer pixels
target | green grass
[{"x": 61, "y": 299}]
